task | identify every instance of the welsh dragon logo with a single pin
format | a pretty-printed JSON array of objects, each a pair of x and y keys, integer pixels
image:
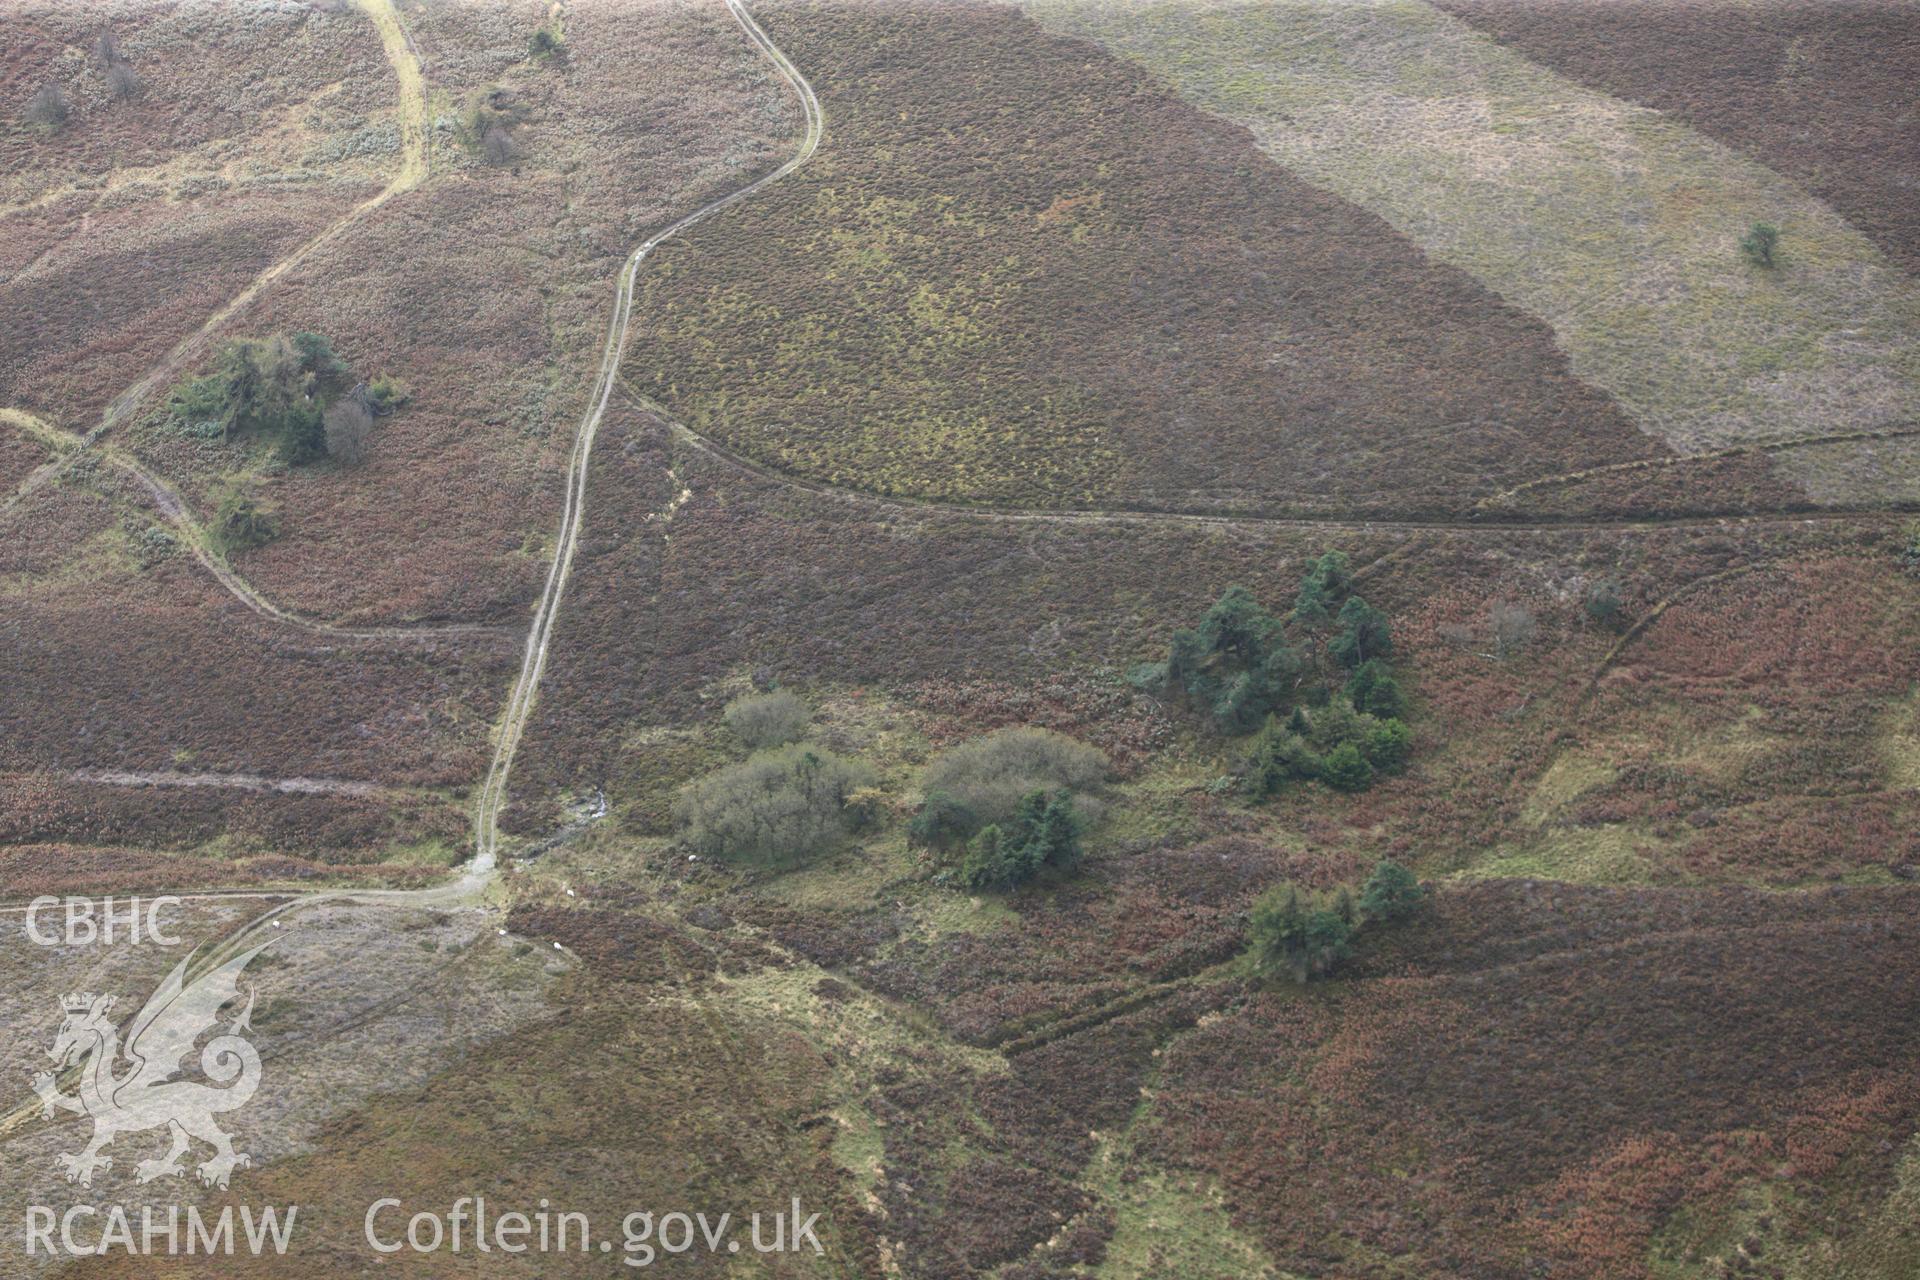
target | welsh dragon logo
[{"x": 149, "y": 1093}]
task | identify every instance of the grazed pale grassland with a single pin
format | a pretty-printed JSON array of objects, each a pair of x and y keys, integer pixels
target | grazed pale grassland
[{"x": 1618, "y": 225}]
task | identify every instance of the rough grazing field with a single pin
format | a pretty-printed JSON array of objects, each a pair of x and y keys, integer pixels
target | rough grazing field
[
  {"x": 1661, "y": 1018},
  {"x": 1615, "y": 224},
  {"x": 1608, "y": 1085},
  {"x": 492, "y": 303},
  {"x": 111, "y": 303},
  {"x": 1019, "y": 270},
  {"x": 1821, "y": 92},
  {"x": 699, "y": 574},
  {"x": 122, "y": 654},
  {"x": 135, "y": 220},
  {"x": 318, "y": 104}
]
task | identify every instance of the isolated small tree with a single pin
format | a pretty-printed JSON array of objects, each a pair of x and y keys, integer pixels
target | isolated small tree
[
  {"x": 106, "y": 47},
  {"x": 1391, "y": 893},
  {"x": 545, "y": 45},
  {"x": 767, "y": 720},
  {"x": 1909, "y": 553},
  {"x": 349, "y": 431},
  {"x": 1760, "y": 244},
  {"x": 48, "y": 107},
  {"x": 1603, "y": 605},
  {"x": 498, "y": 146},
  {"x": 1513, "y": 626},
  {"x": 122, "y": 83}
]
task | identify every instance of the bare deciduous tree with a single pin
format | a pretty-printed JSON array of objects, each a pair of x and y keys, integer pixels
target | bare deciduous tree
[
  {"x": 48, "y": 107},
  {"x": 122, "y": 83},
  {"x": 349, "y": 428},
  {"x": 107, "y": 49},
  {"x": 498, "y": 146},
  {"x": 1513, "y": 626}
]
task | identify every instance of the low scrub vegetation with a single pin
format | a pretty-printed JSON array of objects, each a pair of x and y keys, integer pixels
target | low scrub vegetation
[
  {"x": 993, "y": 779},
  {"x": 775, "y": 807},
  {"x": 767, "y": 720},
  {"x": 241, "y": 523},
  {"x": 48, "y": 107},
  {"x": 488, "y": 121},
  {"x": 289, "y": 389},
  {"x": 547, "y": 45}
]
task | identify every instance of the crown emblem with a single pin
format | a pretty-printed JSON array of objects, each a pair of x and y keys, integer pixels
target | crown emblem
[{"x": 78, "y": 1002}]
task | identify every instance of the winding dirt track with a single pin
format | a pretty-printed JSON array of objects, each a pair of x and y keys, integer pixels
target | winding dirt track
[
  {"x": 526, "y": 687},
  {"x": 522, "y": 699},
  {"x": 1254, "y": 520},
  {"x": 479, "y": 874}
]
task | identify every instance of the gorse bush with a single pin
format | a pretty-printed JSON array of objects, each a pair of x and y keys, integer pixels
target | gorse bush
[
  {"x": 1305, "y": 931},
  {"x": 776, "y": 806},
  {"x": 546, "y": 44},
  {"x": 1335, "y": 744},
  {"x": 240, "y": 523},
  {"x": 1909, "y": 553},
  {"x": 1603, "y": 605},
  {"x": 1372, "y": 689},
  {"x": 1391, "y": 893},
  {"x": 985, "y": 779},
  {"x": 1044, "y": 832},
  {"x": 385, "y": 394},
  {"x": 767, "y": 720},
  {"x": 487, "y": 123}
]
